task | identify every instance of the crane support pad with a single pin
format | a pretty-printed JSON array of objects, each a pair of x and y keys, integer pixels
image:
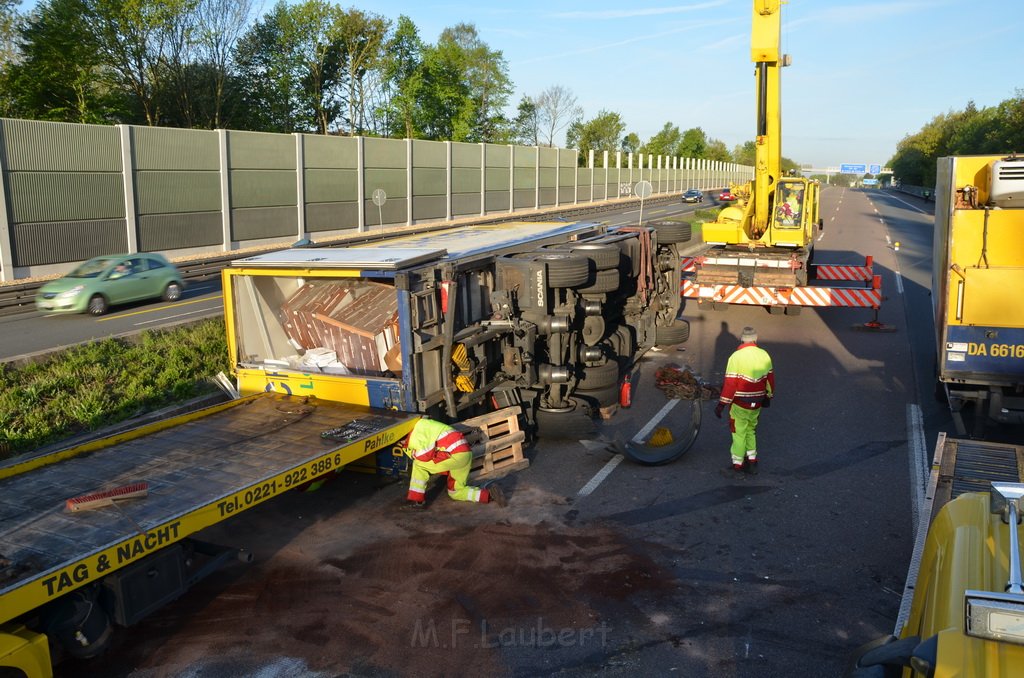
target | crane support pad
[{"x": 201, "y": 468}]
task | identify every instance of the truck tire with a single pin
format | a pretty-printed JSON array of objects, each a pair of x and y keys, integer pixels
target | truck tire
[
  {"x": 604, "y": 256},
  {"x": 671, "y": 232},
  {"x": 676, "y": 333},
  {"x": 565, "y": 270},
  {"x": 601, "y": 397},
  {"x": 573, "y": 422},
  {"x": 599, "y": 376},
  {"x": 604, "y": 281},
  {"x": 684, "y": 431}
]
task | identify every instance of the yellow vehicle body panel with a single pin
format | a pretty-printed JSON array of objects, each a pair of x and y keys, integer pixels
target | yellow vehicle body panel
[
  {"x": 25, "y": 650},
  {"x": 967, "y": 548},
  {"x": 327, "y": 387}
]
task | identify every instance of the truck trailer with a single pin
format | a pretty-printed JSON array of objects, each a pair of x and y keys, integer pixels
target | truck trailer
[{"x": 977, "y": 272}]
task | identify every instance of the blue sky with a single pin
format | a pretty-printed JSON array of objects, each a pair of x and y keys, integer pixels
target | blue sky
[{"x": 864, "y": 74}]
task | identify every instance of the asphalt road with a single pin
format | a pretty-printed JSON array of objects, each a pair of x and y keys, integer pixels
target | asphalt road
[
  {"x": 599, "y": 566},
  {"x": 34, "y": 333}
]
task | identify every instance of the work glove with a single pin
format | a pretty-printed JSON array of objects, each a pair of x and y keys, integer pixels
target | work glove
[
  {"x": 718, "y": 409},
  {"x": 767, "y": 402}
]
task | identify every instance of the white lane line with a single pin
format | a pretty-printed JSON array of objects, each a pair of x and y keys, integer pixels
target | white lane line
[
  {"x": 666, "y": 408},
  {"x": 918, "y": 465},
  {"x": 177, "y": 315},
  {"x": 600, "y": 476},
  {"x": 617, "y": 459}
]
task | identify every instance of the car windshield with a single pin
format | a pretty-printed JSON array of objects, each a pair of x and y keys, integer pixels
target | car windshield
[
  {"x": 91, "y": 268},
  {"x": 692, "y": 192}
]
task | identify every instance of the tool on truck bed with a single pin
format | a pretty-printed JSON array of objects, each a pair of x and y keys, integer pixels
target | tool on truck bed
[{"x": 107, "y": 497}]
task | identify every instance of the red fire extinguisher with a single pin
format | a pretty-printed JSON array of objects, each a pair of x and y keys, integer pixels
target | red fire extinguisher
[{"x": 626, "y": 392}]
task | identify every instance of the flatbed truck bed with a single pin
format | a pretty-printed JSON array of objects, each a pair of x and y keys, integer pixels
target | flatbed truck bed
[{"x": 201, "y": 468}]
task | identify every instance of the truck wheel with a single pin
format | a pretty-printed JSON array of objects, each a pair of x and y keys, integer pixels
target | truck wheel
[
  {"x": 670, "y": 232},
  {"x": 676, "y": 333},
  {"x": 599, "y": 376},
  {"x": 683, "y": 431},
  {"x": 604, "y": 281},
  {"x": 604, "y": 256},
  {"x": 573, "y": 422},
  {"x": 565, "y": 270}
]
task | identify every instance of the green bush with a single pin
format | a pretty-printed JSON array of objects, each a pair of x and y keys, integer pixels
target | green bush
[{"x": 107, "y": 381}]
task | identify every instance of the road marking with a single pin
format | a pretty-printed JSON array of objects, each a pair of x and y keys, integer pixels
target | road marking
[
  {"x": 918, "y": 466},
  {"x": 158, "y": 308},
  {"x": 617, "y": 459},
  {"x": 601, "y": 475},
  {"x": 910, "y": 205},
  {"x": 178, "y": 315}
]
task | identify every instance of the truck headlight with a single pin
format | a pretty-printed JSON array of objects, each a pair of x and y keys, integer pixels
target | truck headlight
[
  {"x": 994, "y": 616},
  {"x": 73, "y": 292}
]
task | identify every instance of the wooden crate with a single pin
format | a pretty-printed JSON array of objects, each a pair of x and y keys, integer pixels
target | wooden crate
[{"x": 497, "y": 443}]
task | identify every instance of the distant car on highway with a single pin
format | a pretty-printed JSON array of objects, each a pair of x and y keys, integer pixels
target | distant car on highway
[
  {"x": 726, "y": 196},
  {"x": 693, "y": 195},
  {"x": 101, "y": 282}
]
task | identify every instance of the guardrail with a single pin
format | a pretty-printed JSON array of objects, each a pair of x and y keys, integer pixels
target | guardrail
[{"x": 20, "y": 297}]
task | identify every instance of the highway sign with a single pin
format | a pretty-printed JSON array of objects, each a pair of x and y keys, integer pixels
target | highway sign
[
  {"x": 847, "y": 168},
  {"x": 875, "y": 169}
]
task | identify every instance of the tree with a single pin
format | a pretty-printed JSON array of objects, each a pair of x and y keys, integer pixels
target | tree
[
  {"x": 556, "y": 110},
  {"x": 745, "y": 154},
  {"x": 526, "y": 126},
  {"x": 693, "y": 144},
  {"x": 402, "y": 79},
  {"x": 465, "y": 88},
  {"x": 361, "y": 38},
  {"x": 631, "y": 143},
  {"x": 665, "y": 142},
  {"x": 9, "y": 19},
  {"x": 602, "y": 133},
  {"x": 716, "y": 150},
  {"x": 201, "y": 82},
  {"x": 135, "y": 38},
  {"x": 60, "y": 74}
]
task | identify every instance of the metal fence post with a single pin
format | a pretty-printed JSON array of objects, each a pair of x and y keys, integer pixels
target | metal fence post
[
  {"x": 6, "y": 244},
  {"x": 361, "y": 182},
  {"x": 536, "y": 177},
  {"x": 409, "y": 221},
  {"x": 128, "y": 185},
  {"x": 300, "y": 184},
  {"x": 225, "y": 190},
  {"x": 511, "y": 178},
  {"x": 448, "y": 180},
  {"x": 483, "y": 179}
]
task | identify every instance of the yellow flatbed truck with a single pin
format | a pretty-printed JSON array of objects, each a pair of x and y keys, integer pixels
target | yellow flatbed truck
[{"x": 68, "y": 577}]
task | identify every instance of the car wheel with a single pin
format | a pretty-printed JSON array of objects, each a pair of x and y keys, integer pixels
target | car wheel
[
  {"x": 172, "y": 292},
  {"x": 97, "y": 305}
]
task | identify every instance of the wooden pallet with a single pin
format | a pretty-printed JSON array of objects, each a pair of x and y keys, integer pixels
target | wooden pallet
[{"x": 497, "y": 443}]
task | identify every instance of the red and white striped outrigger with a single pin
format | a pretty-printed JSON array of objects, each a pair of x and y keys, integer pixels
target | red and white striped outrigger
[{"x": 844, "y": 294}]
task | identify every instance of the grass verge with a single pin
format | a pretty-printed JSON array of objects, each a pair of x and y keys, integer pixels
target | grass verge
[{"x": 105, "y": 382}]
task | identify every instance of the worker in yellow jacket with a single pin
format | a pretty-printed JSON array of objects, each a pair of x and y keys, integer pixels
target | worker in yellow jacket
[
  {"x": 437, "y": 448},
  {"x": 749, "y": 385}
]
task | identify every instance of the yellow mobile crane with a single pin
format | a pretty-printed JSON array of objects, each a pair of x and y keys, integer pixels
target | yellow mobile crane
[{"x": 759, "y": 252}]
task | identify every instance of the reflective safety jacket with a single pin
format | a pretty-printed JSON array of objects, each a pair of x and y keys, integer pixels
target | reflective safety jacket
[
  {"x": 748, "y": 377},
  {"x": 434, "y": 441}
]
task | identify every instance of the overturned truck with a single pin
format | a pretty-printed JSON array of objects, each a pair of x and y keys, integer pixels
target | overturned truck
[{"x": 454, "y": 322}]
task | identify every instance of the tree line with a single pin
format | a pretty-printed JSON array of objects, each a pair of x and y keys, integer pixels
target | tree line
[
  {"x": 990, "y": 130},
  {"x": 310, "y": 67}
]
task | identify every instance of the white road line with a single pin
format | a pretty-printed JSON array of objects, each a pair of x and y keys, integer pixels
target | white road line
[
  {"x": 601, "y": 475},
  {"x": 899, "y": 282},
  {"x": 918, "y": 463},
  {"x": 177, "y": 315},
  {"x": 666, "y": 408},
  {"x": 617, "y": 459}
]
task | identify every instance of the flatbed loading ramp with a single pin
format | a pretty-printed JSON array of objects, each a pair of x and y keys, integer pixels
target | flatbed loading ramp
[{"x": 201, "y": 468}]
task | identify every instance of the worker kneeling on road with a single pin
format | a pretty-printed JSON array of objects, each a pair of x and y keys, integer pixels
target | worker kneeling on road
[
  {"x": 749, "y": 386},
  {"x": 437, "y": 448}
]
